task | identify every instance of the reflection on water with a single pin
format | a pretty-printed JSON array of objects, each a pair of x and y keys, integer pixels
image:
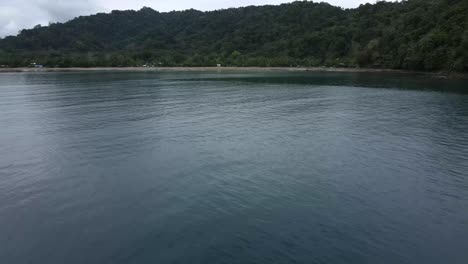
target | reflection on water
[{"x": 203, "y": 167}]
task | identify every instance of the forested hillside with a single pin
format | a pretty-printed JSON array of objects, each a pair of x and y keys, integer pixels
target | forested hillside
[{"x": 428, "y": 35}]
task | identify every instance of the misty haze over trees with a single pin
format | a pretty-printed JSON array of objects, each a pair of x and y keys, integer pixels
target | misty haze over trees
[{"x": 427, "y": 35}]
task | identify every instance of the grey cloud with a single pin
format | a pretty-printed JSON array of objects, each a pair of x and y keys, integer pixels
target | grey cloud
[
  {"x": 168, "y": 5},
  {"x": 14, "y": 16},
  {"x": 18, "y": 14},
  {"x": 61, "y": 10}
]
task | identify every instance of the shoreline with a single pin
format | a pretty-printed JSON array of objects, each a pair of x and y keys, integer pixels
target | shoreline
[{"x": 440, "y": 75}]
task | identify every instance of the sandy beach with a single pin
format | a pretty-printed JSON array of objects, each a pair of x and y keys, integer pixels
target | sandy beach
[{"x": 235, "y": 69}]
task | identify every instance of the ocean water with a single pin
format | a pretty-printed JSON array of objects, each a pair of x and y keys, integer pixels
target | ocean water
[{"x": 240, "y": 167}]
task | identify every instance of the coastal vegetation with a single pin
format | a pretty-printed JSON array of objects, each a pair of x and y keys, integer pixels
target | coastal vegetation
[{"x": 425, "y": 35}]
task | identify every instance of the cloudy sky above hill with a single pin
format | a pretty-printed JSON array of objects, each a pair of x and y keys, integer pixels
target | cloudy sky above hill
[{"x": 19, "y": 14}]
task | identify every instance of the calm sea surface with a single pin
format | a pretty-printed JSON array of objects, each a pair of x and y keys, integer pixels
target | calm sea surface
[{"x": 201, "y": 167}]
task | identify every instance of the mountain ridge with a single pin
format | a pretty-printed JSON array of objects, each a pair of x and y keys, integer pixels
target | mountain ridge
[{"x": 412, "y": 35}]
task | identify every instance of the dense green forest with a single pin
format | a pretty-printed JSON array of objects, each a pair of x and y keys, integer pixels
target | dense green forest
[{"x": 428, "y": 35}]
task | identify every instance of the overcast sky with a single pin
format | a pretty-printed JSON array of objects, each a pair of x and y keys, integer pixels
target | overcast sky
[{"x": 18, "y": 14}]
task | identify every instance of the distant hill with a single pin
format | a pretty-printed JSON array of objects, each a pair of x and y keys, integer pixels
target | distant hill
[{"x": 428, "y": 35}]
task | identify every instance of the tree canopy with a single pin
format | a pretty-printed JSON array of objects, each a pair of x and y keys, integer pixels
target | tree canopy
[{"x": 428, "y": 35}]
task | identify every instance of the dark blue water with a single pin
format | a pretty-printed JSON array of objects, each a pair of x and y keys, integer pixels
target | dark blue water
[{"x": 233, "y": 168}]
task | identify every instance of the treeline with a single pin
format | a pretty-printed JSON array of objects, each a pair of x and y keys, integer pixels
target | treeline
[{"x": 428, "y": 35}]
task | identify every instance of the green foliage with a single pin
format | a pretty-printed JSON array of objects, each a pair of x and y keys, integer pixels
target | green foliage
[{"x": 427, "y": 35}]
